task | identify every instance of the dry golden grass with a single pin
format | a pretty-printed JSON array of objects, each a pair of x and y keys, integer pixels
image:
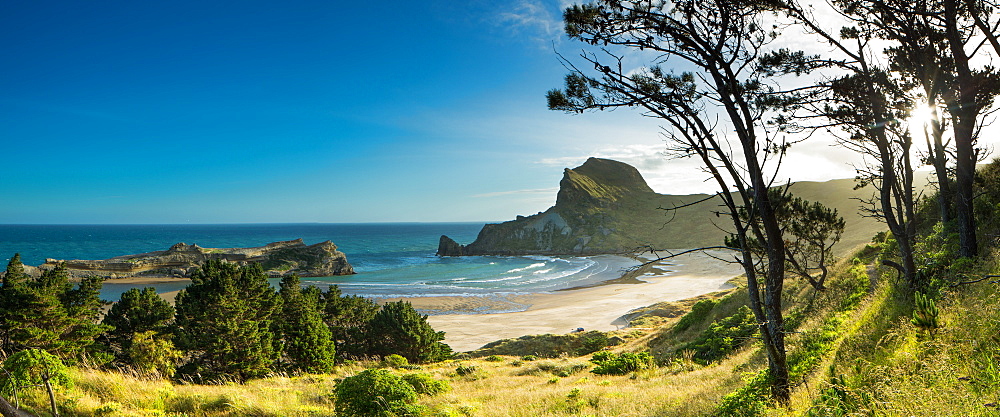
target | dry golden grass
[{"x": 886, "y": 368}]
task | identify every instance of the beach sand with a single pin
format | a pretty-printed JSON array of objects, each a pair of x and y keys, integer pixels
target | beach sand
[{"x": 592, "y": 308}]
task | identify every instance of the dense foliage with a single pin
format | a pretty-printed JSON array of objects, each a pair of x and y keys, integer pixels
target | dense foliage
[
  {"x": 398, "y": 328},
  {"x": 305, "y": 340},
  {"x": 49, "y": 313},
  {"x": 609, "y": 363},
  {"x": 224, "y": 322},
  {"x": 347, "y": 316},
  {"x": 724, "y": 336},
  {"x": 137, "y": 311},
  {"x": 374, "y": 393}
]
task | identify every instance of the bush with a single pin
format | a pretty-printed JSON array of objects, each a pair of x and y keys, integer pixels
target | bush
[
  {"x": 152, "y": 355},
  {"x": 374, "y": 393},
  {"x": 560, "y": 369},
  {"x": 493, "y": 358},
  {"x": 724, "y": 336},
  {"x": 463, "y": 370},
  {"x": 609, "y": 363},
  {"x": 699, "y": 312},
  {"x": 32, "y": 368},
  {"x": 593, "y": 343},
  {"x": 395, "y": 361},
  {"x": 529, "y": 358},
  {"x": 398, "y": 328},
  {"x": 425, "y": 384}
]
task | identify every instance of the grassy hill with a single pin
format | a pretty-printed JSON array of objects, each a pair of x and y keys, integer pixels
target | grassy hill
[{"x": 605, "y": 206}]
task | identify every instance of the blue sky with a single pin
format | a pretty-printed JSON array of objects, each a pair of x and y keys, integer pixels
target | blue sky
[{"x": 298, "y": 111}]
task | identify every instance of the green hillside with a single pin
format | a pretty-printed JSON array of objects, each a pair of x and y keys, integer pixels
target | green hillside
[{"x": 605, "y": 206}]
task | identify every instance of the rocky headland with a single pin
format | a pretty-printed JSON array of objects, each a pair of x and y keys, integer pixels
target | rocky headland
[
  {"x": 606, "y": 207},
  {"x": 180, "y": 260}
]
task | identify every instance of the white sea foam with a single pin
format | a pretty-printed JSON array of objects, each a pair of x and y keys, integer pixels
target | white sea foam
[{"x": 532, "y": 266}]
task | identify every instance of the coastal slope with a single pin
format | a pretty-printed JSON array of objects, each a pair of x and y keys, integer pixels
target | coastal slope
[
  {"x": 180, "y": 260},
  {"x": 605, "y": 207}
]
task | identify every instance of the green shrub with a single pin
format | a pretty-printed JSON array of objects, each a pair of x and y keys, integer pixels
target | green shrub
[
  {"x": 425, "y": 384},
  {"x": 108, "y": 409},
  {"x": 609, "y": 363},
  {"x": 374, "y": 393},
  {"x": 463, "y": 370},
  {"x": 592, "y": 343},
  {"x": 395, "y": 361},
  {"x": 750, "y": 400},
  {"x": 32, "y": 368},
  {"x": 724, "y": 336},
  {"x": 494, "y": 358},
  {"x": 529, "y": 358},
  {"x": 699, "y": 312},
  {"x": 560, "y": 369}
]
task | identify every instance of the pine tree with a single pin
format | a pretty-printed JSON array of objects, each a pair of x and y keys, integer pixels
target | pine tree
[
  {"x": 137, "y": 311},
  {"x": 10, "y": 299},
  {"x": 347, "y": 317},
  {"x": 398, "y": 329},
  {"x": 223, "y": 322},
  {"x": 304, "y": 338},
  {"x": 48, "y": 313}
]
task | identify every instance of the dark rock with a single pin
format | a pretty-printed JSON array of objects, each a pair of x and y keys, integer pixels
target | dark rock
[{"x": 449, "y": 247}]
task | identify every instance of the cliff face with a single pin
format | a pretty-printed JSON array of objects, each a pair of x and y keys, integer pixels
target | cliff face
[{"x": 278, "y": 259}]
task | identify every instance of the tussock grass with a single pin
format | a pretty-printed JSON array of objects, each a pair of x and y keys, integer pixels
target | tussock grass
[{"x": 852, "y": 349}]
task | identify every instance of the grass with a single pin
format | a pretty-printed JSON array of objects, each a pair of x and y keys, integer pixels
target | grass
[{"x": 852, "y": 351}]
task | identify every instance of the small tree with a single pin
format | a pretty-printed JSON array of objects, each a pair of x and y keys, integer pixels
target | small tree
[
  {"x": 347, "y": 317},
  {"x": 136, "y": 312},
  {"x": 223, "y": 322},
  {"x": 11, "y": 300},
  {"x": 810, "y": 231},
  {"x": 153, "y": 355},
  {"x": 48, "y": 313},
  {"x": 398, "y": 328},
  {"x": 33, "y": 368}
]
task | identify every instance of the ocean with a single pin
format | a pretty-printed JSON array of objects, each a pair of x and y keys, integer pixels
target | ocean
[{"x": 391, "y": 259}]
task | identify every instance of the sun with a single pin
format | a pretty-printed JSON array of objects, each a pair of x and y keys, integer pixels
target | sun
[{"x": 921, "y": 114}]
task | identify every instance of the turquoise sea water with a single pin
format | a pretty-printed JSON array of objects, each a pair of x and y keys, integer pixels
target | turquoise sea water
[{"x": 392, "y": 259}]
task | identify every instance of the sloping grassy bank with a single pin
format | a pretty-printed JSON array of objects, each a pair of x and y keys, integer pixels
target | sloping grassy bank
[{"x": 853, "y": 350}]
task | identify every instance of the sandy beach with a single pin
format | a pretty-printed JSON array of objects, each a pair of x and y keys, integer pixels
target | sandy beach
[
  {"x": 599, "y": 307},
  {"x": 593, "y": 308}
]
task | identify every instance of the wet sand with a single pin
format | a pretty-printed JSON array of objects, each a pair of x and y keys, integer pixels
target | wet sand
[{"x": 592, "y": 308}]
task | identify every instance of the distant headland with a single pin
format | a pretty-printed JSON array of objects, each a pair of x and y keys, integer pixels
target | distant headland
[{"x": 180, "y": 260}]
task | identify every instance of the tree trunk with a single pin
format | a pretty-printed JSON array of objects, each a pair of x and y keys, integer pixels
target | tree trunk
[
  {"x": 52, "y": 398},
  {"x": 963, "y": 109},
  {"x": 939, "y": 158},
  {"x": 8, "y": 410}
]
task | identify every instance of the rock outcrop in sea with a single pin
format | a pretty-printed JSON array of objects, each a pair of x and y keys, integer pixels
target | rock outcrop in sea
[{"x": 278, "y": 259}]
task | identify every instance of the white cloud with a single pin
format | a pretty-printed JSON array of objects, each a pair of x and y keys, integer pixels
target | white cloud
[{"x": 535, "y": 19}]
